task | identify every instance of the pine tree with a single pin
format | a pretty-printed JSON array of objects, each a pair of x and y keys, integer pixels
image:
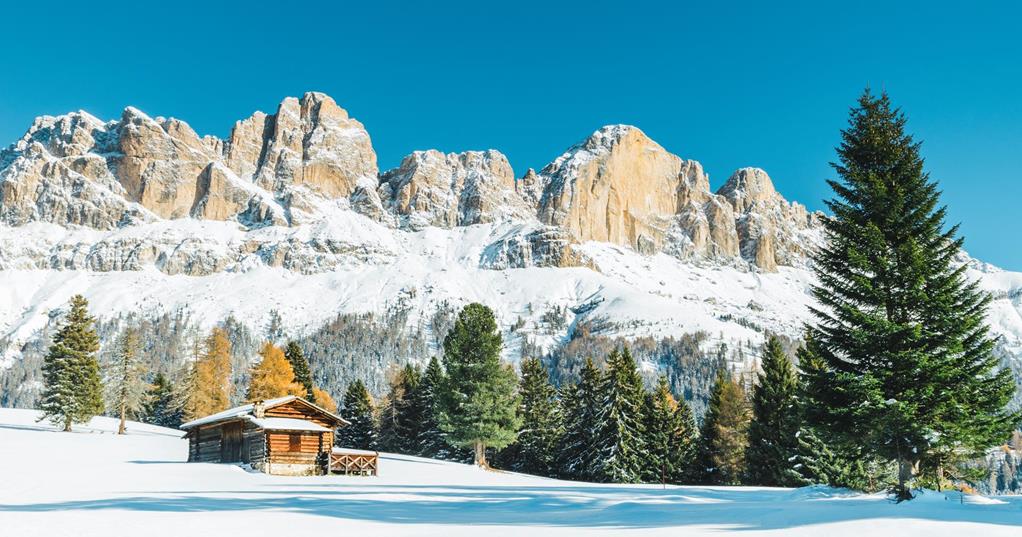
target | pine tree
[
  {"x": 209, "y": 381},
  {"x": 323, "y": 400},
  {"x": 300, "y": 366},
  {"x": 400, "y": 418},
  {"x": 536, "y": 448},
  {"x": 774, "y": 430},
  {"x": 724, "y": 434},
  {"x": 72, "y": 389},
  {"x": 580, "y": 409},
  {"x": 125, "y": 378},
  {"x": 909, "y": 366},
  {"x": 670, "y": 436},
  {"x": 359, "y": 410},
  {"x": 479, "y": 395},
  {"x": 161, "y": 406},
  {"x": 273, "y": 376},
  {"x": 619, "y": 443}
]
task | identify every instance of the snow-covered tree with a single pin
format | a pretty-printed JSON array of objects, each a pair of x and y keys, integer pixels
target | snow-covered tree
[
  {"x": 162, "y": 404},
  {"x": 360, "y": 411},
  {"x": 619, "y": 449},
  {"x": 72, "y": 389},
  {"x": 670, "y": 436},
  {"x": 580, "y": 411},
  {"x": 536, "y": 448}
]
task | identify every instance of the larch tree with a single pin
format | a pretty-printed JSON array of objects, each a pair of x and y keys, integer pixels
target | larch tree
[
  {"x": 300, "y": 366},
  {"x": 72, "y": 388},
  {"x": 620, "y": 442},
  {"x": 273, "y": 377},
  {"x": 670, "y": 436},
  {"x": 360, "y": 411},
  {"x": 479, "y": 397},
  {"x": 323, "y": 399},
  {"x": 724, "y": 434},
  {"x": 776, "y": 422},
  {"x": 536, "y": 448},
  {"x": 209, "y": 382},
  {"x": 126, "y": 386},
  {"x": 909, "y": 371}
]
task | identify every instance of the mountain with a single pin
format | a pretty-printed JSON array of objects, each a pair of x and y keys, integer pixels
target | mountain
[{"x": 291, "y": 217}]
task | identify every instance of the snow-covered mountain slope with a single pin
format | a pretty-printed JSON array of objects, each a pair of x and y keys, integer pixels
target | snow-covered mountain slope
[
  {"x": 92, "y": 482},
  {"x": 291, "y": 213}
]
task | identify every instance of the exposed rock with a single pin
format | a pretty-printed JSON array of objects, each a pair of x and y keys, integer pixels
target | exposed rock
[
  {"x": 524, "y": 247},
  {"x": 430, "y": 188}
]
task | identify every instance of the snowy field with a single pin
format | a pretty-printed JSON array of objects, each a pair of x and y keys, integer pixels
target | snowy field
[{"x": 92, "y": 482}]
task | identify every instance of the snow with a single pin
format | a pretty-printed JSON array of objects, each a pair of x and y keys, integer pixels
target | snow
[
  {"x": 92, "y": 482},
  {"x": 287, "y": 424},
  {"x": 236, "y": 411}
]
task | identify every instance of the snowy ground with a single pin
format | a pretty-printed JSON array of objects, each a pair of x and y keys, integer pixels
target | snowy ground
[{"x": 93, "y": 482}]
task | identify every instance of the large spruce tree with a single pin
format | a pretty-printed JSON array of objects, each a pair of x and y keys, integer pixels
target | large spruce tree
[
  {"x": 774, "y": 430},
  {"x": 580, "y": 411},
  {"x": 909, "y": 369},
  {"x": 536, "y": 447},
  {"x": 72, "y": 389},
  {"x": 619, "y": 448},
  {"x": 724, "y": 435},
  {"x": 670, "y": 436},
  {"x": 358, "y": 409},
  {"x": 479, "y": 396}
]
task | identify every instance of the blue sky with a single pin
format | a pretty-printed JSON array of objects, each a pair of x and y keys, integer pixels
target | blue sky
[{"x": 736, "y": 84}]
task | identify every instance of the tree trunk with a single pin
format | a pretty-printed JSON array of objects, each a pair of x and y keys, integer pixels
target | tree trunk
[
  {"x": 124, "y": 411},
  {"x": 480, "y": 454},
  {"x": 67, "y": 424},
  {"x": 906, "y": 471}
]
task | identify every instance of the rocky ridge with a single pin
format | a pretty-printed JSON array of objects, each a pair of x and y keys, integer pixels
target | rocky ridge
[{"x": 309, "y": 160}]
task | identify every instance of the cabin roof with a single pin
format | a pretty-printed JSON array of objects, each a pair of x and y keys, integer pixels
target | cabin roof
[
  {"x": 244, "y": 411},
  {"x": 287, "y": 424}
]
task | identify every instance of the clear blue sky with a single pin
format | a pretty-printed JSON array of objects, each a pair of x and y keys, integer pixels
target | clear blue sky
[{"x": 763, "y": 84}]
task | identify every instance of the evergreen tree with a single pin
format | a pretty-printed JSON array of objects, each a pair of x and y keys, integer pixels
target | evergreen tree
[
  {"x": 209, "y": 381},
  {"x": 670, "y": 436},
  {"x": 775, "y": 426},
  {"x": 909, "y": 369},
  {"x": 273, "y": 376},
  {"x": 323, "y": 400},
  {"x": 400, "y": 418},
  {"x": 125, "y": 378},
  {"x": 161, "y": 405},
  {"x": 479, "y": 395},
  {"x": 432, "y": 441},
  {"x": 358, "y": 409},
  {"x": 580, "y": 408},
  {"x": 536, "y": 448},
  {"x": 724, "y": 434},
  {"x": 619, "y": 444},
  {"x": 300, "y": 366},
  {"x": 72, "y": 389}
]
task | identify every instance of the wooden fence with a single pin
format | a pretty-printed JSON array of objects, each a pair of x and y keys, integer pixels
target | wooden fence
[{"x": 354, "y": 463}]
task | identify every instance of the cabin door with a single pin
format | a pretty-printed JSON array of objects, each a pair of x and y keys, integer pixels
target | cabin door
[{"x": 230, "y": 442}]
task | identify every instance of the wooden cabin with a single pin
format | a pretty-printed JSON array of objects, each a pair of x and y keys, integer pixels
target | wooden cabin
[{"x": 283, "y": 436}]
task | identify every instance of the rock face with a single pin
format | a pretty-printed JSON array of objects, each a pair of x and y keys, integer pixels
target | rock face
[
  {"x": 430, "y": 188},
  {"x": 296, "y": 168},
  {"x": 619, "y": 186}
]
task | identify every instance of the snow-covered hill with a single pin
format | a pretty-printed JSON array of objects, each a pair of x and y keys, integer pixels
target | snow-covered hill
[
  {"x": 291, "y": 214},
  {"x": 92, "y": 482}
]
